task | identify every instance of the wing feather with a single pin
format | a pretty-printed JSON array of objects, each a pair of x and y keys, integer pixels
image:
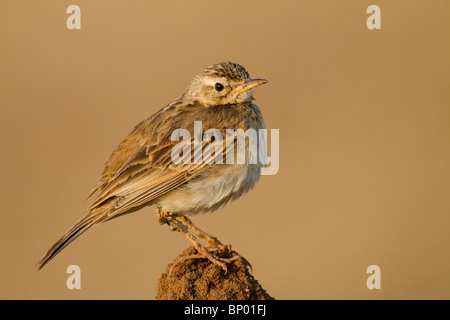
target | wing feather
[{"x": 141, "y": 168}]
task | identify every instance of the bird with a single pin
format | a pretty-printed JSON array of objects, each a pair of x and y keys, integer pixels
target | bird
[{"x": 141, "y": 172}]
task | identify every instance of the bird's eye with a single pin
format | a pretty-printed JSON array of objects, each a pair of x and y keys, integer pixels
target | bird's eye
[{"x": 218, "y": 86}]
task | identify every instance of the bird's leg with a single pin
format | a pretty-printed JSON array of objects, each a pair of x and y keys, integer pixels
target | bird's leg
[
  {"x": 202, "y": 251},
  {"x": 182, "y": 224},
  {"x": 213, "y": 242},
  {"x": 165, "y": 217}
]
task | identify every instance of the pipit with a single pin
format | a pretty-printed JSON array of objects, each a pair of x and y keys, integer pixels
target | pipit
[{"x": 141, "y": 171}]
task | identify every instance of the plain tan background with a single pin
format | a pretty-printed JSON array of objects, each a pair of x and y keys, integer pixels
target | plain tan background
[{"x": 364, "y": 120}]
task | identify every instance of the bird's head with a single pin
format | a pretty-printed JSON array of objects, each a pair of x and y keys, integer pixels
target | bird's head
[{"x": 221, "y": 84}]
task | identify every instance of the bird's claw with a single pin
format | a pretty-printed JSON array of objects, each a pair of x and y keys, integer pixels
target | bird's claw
[{"x": 206, "y": 254}]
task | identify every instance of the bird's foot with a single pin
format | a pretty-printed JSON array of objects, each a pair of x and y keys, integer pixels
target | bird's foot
[{"x": 213, "y": 256}]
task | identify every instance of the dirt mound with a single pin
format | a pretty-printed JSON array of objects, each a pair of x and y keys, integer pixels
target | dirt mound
[{"x": 200, "y": 279}]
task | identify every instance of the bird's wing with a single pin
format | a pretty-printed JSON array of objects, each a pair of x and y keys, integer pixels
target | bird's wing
[
  {"x": 141, "y": 180},
  {"x": 146, "y": 169}
]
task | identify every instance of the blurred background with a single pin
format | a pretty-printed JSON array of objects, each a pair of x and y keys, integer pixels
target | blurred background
[{"x": 364, "y": 120}]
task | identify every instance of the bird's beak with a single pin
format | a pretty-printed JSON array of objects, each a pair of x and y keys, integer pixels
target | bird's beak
[{"x": 249, "y": 84}]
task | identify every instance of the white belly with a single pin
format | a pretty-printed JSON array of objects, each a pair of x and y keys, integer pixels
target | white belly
[{"x": 212, "y": 189}]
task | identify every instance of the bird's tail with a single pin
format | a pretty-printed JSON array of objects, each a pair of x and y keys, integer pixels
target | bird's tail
[{"x": 74, "y": 232}]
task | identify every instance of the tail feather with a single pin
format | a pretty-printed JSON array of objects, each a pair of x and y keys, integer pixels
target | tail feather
[{"x": 74, "y": 232}]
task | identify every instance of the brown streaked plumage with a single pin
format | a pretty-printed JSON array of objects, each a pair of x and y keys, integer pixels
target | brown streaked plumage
[{"x": 140, "y": 171}]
